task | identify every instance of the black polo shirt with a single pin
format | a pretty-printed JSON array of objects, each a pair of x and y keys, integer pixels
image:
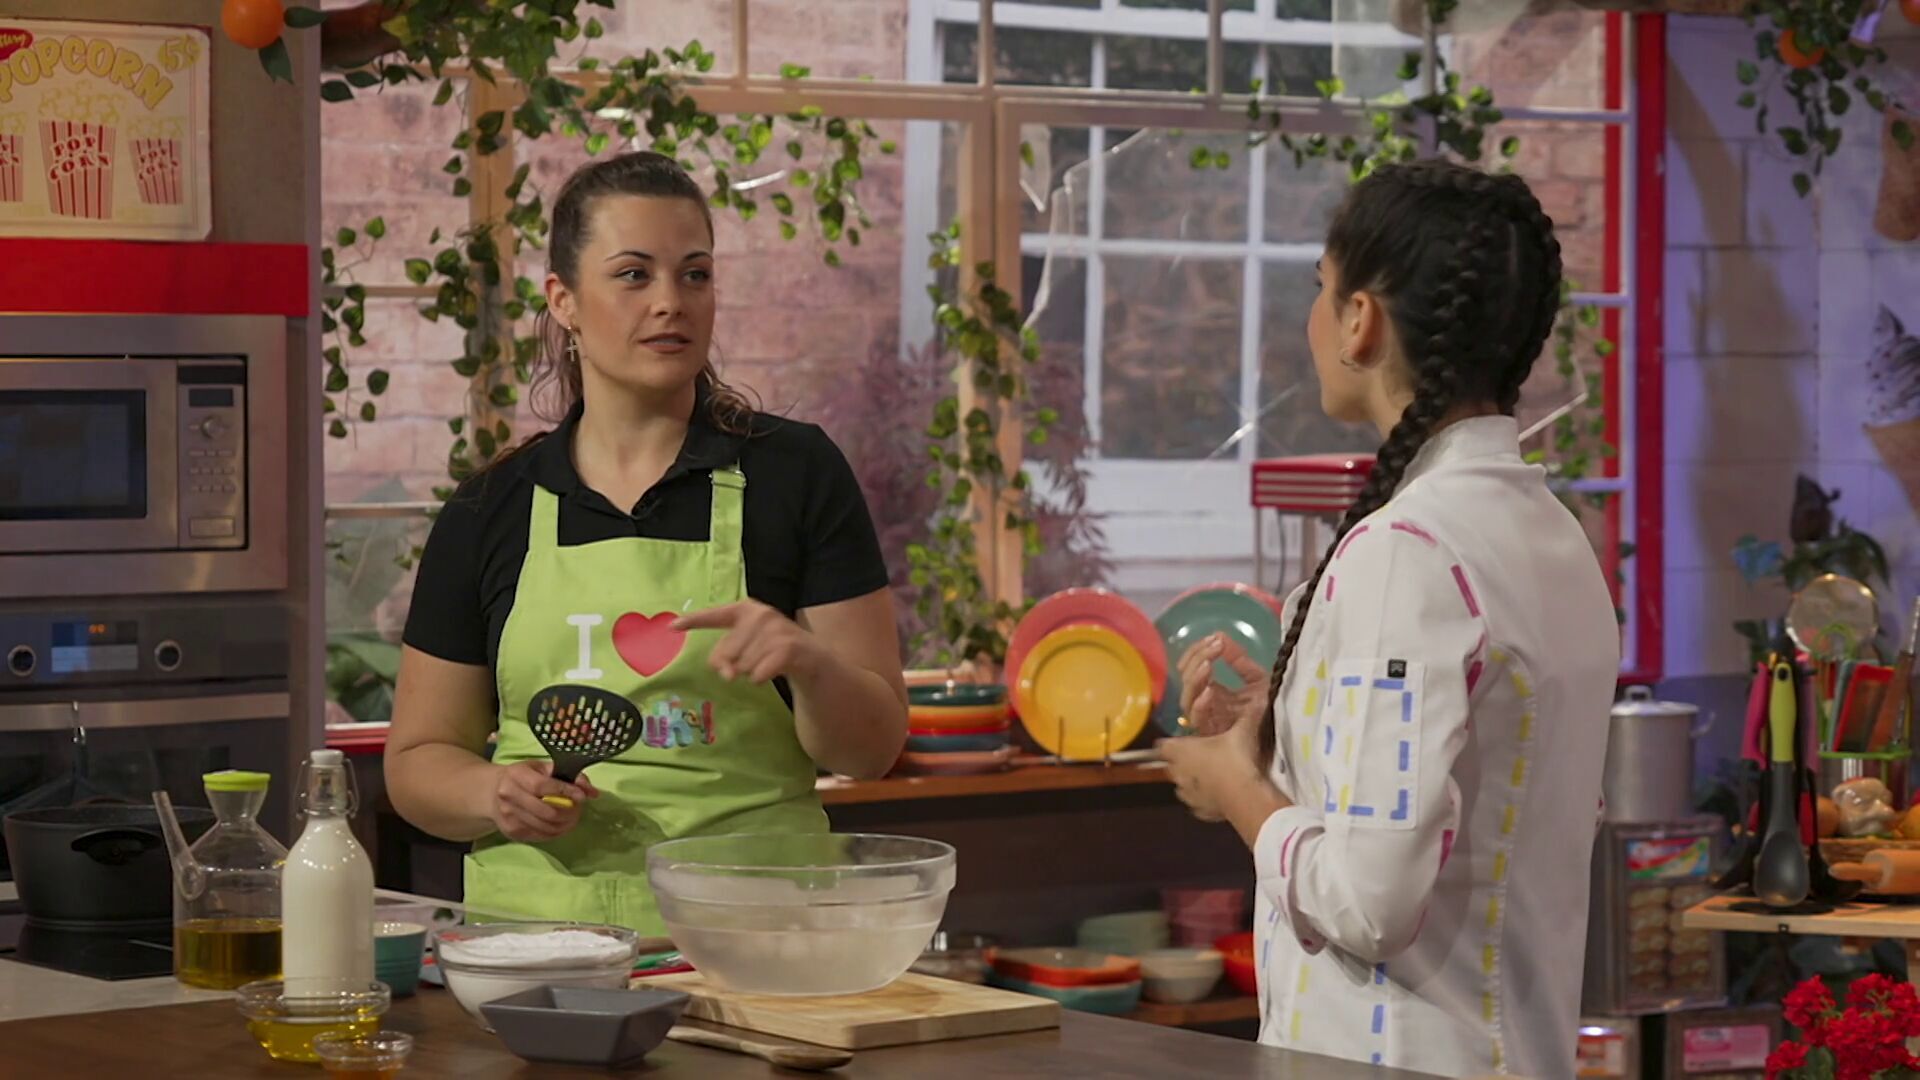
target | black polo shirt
[{"x": 807, "y": 537}]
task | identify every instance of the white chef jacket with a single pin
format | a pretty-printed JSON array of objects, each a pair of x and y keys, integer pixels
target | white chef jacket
[{"x": 1424, "y": 902}]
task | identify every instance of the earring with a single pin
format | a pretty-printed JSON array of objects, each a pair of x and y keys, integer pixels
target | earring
[
  {"x": 573, "y": 345},
  {"x": 1347, "y": 361}
]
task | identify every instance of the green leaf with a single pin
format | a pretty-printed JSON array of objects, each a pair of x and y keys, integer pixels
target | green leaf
[
  {"x": 596, "y": 143},
  {"x": 1903, "y": 134},
  {"x": 1026, "y": 153},
  {"x": 503, "y": 396},
  {"x": 278, "y": 65},
  {"x": 362, "y": 79},
  {"x": 444, "y": 94},
  {"x": 1794, "y": 139},
  {"x": 593, "y": 29},
  {"x": 418, "y": 270},
  {"x": 377, "y": 228},
  {"x": 300, "y": 18},
  {"x": 368, "y": 411},
  {"x": 456, "y": 424},
  {"x": 336, "y": 380},
  {"x": 1200, "y": 158},
  {"x": 1803, "y": 184},
  {"x": 794, "y": 71},
  {"x": 1509, "y": 146},
  {"x": 1748, "y": 72},
  {"x": 787, "y": 231},
  {"x": 1838, "y": 100},
  {"x": 462, "y": 188},
  {"x": 331, "y": 90},
  {"x": 377, "y": 382},
  {"x": 1749, "y": 99},
  {"x": 337, "y": 429}
]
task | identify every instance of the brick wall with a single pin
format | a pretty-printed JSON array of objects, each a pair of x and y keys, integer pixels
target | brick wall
[{"x": 786, "y": 321}]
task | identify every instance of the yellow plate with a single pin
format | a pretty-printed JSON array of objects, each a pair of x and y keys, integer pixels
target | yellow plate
[{"x": 1076, "y": 682}]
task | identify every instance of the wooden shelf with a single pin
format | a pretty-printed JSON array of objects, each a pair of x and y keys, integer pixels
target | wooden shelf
[
  {"x": 835, "y": 791},
  {"x": 1216, "y": 1010}
]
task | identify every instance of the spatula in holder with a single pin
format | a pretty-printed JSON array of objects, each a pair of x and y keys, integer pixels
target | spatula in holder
[{"x": 581, "y": 726}]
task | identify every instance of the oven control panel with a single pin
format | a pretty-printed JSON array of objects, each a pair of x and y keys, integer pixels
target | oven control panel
[
  {"x": 126, "y": 643},
  {"x": 212, "y": 411}
]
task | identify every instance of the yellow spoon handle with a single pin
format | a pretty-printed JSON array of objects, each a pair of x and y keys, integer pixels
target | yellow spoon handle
[
  {"x": 560, "y": 801},
  {"x": 1783, "y": 709}
]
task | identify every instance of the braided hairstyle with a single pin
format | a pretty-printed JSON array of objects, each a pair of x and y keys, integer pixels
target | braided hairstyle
[{"x": 1466, "y": 266}]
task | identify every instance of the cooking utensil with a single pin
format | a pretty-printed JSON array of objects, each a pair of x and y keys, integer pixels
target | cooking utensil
[
  {"x": 1746, "y": 790},
  {"x": 912, "y": 1009},
  {"x": 1649, "y": 769},
  {"x": 580, "y": 726},
  {"x": 1887, "y": 721},
  {"x": 1084, "y": 692},
  {"x": 1245, "y": 614},
  {"x": 1089, "y": 607},
  {"x": 1884, "y": 871},
  {"x": 85, "y": 866},
  {"x": 1832, "y": 617},
  {"x": 786, "y": 1055},
  {"x": 1858, "y": 711},
  {"x": 1780, "y": 878}
]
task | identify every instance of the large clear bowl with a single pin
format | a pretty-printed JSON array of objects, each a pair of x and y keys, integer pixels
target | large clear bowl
[{"x": 801, "y": 913}]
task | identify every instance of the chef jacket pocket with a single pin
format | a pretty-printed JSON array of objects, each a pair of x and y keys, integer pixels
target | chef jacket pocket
[{"x": 1370, "y": 743}]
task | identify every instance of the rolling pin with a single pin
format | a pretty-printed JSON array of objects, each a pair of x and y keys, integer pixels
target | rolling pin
[{"x": 1886, "y": 871}]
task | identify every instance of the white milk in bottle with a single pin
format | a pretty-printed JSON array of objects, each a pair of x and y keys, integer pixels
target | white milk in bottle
[{"x": 326, "y": 891}]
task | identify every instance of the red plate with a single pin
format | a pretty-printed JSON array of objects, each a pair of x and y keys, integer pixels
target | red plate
[
  {"x": 985, "y": 729},
  {"x": 1090, "y": 607}
]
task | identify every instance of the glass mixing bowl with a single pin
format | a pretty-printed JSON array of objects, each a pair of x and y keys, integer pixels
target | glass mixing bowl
[{"x": 801, "y": 913}]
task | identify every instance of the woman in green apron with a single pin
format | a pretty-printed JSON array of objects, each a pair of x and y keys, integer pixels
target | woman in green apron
[{"x": 714, "y": 566}]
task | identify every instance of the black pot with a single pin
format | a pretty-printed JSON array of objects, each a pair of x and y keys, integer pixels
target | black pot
[{"x": 101, "y": 864}]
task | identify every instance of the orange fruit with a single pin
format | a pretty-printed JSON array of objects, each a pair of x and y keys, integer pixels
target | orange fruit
[
  {"x": 253, "y": 24},
  {"x": 1793, "y": 56}
]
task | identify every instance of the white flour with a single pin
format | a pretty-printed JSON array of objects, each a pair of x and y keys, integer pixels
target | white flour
[{"x": 547, "y": 949}]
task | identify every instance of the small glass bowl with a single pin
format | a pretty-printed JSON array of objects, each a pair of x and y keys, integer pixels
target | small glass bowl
[
  {"x": 286, "y": 1026},
  {"x": 378, "y": 1055}
]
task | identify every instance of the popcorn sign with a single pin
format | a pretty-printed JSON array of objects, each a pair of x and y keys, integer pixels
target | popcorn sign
[{"x": 104, "y": 131}]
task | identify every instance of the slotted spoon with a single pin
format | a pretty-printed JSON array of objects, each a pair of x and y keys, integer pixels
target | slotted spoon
[{"x": 581, "y": 726}]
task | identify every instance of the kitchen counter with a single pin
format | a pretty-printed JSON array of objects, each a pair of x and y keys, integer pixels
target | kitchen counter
[{"x": 209, "y": 1039}]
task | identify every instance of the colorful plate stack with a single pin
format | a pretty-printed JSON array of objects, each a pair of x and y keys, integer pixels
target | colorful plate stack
[
  {"x": 1076, "y": 978},
  {"x": 956, "y": 729},
  {"x": 1086, "y": 668},
  {"x": 1128, "y": 933},
  {"x": 1247, "y": 616}
]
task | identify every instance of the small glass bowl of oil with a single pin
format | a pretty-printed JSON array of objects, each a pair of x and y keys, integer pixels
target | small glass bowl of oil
[
  {"x": 286, "y": 1025},
  {"x": 374, "y": 1057}
]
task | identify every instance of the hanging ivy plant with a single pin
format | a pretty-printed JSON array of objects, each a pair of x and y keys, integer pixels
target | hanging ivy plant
[{"x": 1806, "y": 48}]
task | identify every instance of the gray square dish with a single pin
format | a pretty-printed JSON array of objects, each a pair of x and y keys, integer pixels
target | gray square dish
[{"x": 578, "y": 1026}]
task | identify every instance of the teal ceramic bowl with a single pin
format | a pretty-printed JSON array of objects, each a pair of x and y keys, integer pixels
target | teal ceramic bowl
[
  {"x": 398, "y": 949},
  {"x": 957, "y": 695},
  {"x": 948, "y": 744},
  {"x": 1116, "y": 999}
]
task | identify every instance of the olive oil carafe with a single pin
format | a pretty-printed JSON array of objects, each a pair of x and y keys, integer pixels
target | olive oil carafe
[{"x": 226, "y": 887}]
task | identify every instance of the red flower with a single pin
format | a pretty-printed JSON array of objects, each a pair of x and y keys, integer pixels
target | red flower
[
  {"x": 1870, "y": 991},
  {"x": 1807, "y": 1007},
  {"x": 1786, "y": 1056}
]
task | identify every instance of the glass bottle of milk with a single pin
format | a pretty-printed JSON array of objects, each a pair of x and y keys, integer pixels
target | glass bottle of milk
[{"x": 326, "y": 890}]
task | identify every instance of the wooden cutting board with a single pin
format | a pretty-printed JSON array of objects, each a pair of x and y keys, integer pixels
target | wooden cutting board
[{"x": 913, "y": 1009}]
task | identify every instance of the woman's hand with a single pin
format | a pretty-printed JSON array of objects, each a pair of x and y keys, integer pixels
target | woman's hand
[
  {"x": 1219, "y": 777},
  {"x": 518, "y": 809},
  {"x": 1209, "y": 708},
  {"x": 759, "y": 643}
]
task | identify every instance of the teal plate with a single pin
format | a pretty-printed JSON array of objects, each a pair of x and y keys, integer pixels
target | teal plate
[
  {"x": 1243, "y": 614},
  {"x": 949, "y": 744},
  {"x": 958, "y": 695}
]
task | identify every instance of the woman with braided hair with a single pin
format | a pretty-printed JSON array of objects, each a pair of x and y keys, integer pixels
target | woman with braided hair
[{"x": 1417, "y": 778}]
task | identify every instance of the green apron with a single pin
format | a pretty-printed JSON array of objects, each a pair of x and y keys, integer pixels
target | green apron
[{"x": 714, "y": 756}]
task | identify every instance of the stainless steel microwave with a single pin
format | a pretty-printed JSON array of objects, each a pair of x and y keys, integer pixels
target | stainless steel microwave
[{"x": 142, "y": 454}]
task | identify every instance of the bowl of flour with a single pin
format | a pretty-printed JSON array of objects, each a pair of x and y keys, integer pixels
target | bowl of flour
[{"x": 483, "y": 962}]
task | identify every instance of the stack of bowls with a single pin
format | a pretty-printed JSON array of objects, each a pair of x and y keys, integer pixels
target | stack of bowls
[
  {"x": 1076, "y": 978},
  {"x": 956, "y": 729},
  {"x": 1129, "y": 933},
  {"x": 399, "y": 948},
  {"x": 1201, "y": 916},
  {"x": 1181, "y": 976}
]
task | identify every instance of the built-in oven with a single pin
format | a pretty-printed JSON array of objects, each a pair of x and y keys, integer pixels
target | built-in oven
[
  {"x": 110, "y": 700},
  {"x": 142, "y": 455}
]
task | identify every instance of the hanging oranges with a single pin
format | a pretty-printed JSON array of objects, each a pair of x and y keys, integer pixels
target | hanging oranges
[
  {"x": 253, "y": 24},
  {"x": 1793, "y": 55}
]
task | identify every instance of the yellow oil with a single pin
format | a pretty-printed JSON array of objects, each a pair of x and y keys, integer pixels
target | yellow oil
[
  {"x": 226, "y": 954},
  {"x": 292, "y": 1040}
]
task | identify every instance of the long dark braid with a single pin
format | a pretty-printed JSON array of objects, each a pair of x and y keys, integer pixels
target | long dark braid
[{"x": 1468, "y": 270}]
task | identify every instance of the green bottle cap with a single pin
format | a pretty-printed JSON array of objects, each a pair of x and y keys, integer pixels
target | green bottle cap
[{"x": 236, "y": 780}]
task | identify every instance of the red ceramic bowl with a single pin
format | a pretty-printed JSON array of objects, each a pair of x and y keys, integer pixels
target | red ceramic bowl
[
  {"x": 1236, "y": 950},
  {"x": 1064, "y": 967}
]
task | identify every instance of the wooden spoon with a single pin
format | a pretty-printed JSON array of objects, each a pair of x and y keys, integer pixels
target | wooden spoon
[{"x": 788, "y": 1055}]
